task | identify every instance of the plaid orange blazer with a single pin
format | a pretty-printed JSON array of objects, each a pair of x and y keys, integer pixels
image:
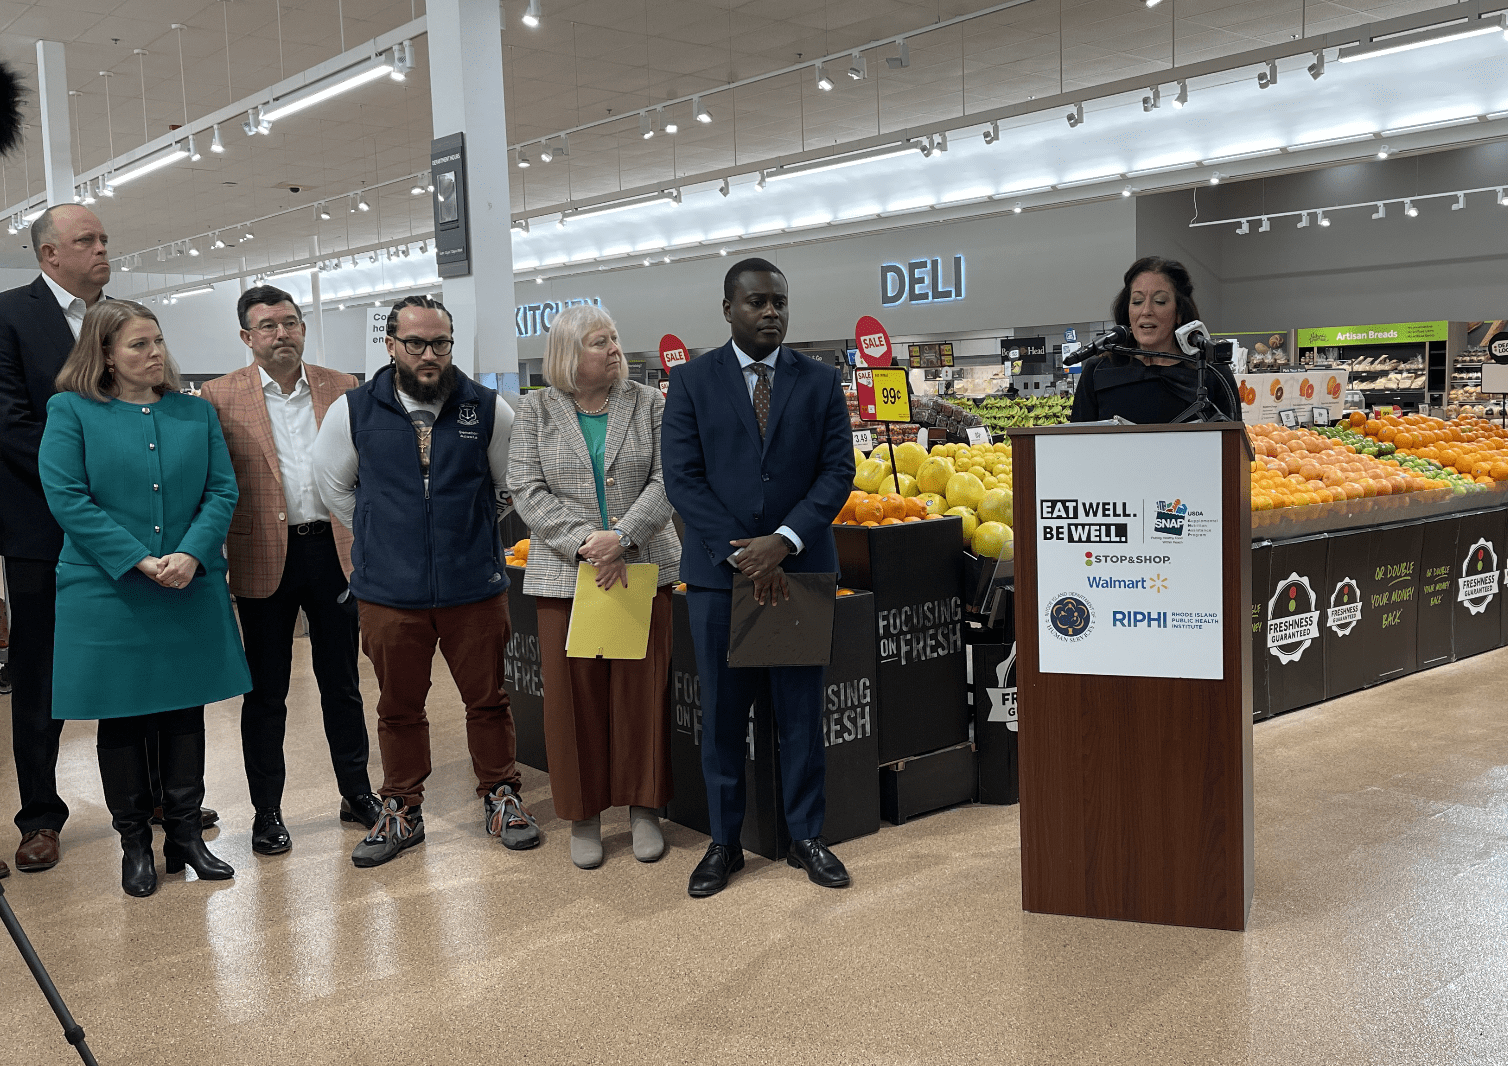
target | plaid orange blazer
[{"x": 258, "y": 543}]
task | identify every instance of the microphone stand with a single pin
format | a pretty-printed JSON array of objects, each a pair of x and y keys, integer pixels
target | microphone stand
[
  {"x": 1203, "y": 409},
  {"x": 72, "y": 1031}
]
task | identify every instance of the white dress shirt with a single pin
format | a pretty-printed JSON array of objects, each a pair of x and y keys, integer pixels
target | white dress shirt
[
  {"x": 751, "y": 378},
  {"x": 294, "y": 430},
  {"x": 73, "y": 306},
  {"x": 336, "y": 461}
]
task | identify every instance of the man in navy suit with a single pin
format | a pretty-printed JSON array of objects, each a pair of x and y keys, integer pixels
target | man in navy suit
[{"x": 758, "y": 460}]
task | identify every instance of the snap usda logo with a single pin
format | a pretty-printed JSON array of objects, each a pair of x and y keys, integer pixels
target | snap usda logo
[
  {"x": 1478, "y": 583},
  {"x": 1292, "y": 619},
  {"x": 1170, "y": 519},
  {"x": 1070, "y": 617},
  {"x": 1345, "y": 607}
]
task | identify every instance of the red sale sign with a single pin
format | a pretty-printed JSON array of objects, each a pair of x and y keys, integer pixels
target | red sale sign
[
  {"x": 672, "y": 352},
  {"x": 874, "y": 342}
]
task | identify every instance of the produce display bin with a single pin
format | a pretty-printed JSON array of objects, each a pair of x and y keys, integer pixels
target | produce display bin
[
  {"x": 928, "y": 783},
  {"x": 522, "y": 676},
  {"x": 914, "y": 571},
  {"x": 849, "y": 733},
  {"x": 1294, "y": 647},
  {"x": 997, "y": 765},
  {"x": 1437, "y": 564},
  {"x": 1476, "y": 624},
  {"x": 1261, "y": 570}
]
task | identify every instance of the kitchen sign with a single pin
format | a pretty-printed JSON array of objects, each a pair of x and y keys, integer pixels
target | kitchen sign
[
  {"x": 1387, "y": 333},
  {"x": 921, "y": 281}
]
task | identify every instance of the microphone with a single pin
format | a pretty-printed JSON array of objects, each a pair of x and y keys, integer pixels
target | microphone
[
  {"x": 1193, "y": 338},
  {"x": 1118, "y": 337}
]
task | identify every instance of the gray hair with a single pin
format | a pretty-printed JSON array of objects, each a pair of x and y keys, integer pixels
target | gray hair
[{"x": 568, "y": 333}]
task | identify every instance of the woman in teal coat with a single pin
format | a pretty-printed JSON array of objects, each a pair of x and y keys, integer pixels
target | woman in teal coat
[{"x": 139, "y": 478}]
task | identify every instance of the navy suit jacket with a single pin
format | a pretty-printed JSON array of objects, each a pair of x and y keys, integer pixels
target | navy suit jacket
[
  {"x": 35, "y": 340},
  {"x": 727, "y": 484}
]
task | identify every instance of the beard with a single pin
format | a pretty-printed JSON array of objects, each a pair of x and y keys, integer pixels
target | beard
[{"x": 447, "y": 383}]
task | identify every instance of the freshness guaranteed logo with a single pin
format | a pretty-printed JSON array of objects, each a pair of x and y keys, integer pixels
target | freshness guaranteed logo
[
  {"x": 1345, "y": 607},
  {"x": 1003, "y": 696},
  {"x": 1070, "y": 616},
  {"x": 1292, "y": 619},
  {"x": 1479, "y": 577}
]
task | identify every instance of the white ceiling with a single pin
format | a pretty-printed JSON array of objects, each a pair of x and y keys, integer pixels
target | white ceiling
[{"x": 587, "y": 59}]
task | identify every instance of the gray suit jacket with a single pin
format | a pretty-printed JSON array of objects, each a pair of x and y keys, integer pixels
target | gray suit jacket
[{"x": 550, "y": 476}]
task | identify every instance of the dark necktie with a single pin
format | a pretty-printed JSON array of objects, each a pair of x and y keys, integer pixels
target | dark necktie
[{"x": 762, "y": 397}]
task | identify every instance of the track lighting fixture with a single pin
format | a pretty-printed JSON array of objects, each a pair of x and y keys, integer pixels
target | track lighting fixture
[
  {"x": 1265, "y": 226},
  {"x": 646, "y": 127},
  {"x": 522, "y": 160},
  {"x": 992, "y": 135},
  {"x": 403, "y": 60},
  {"x": 1244, "y": 228},
  {"x": 418, "y": 190},
  {"x": 362, "y": 205},
  {"x": 1502, "y": 198},
  {"x": 545, "y": 153},
  {"x": 1460, "y": 203},
  {"x": 106, "y": 187},
  {"x": 193, "y": 250},
  {"x": 1384, "y": 152},
  {"x": 823, "y": 81},
  {"x": 1152, "y": 3},
  {"x": 670, "y": 126},
  {"x": 1323, "y": 221},
  {"x": 216, "y": 145},
  {"x": 248, "y": 236},
  {"x": 1215, "y": 178},
  {"x": 1182, "y": 99},
  {"x": 1303, "y": 221},
  {"x": 902, "y": 60},
  {"x": 250, "y": 124},
  {"x": 324, "y": 213},
  {"x": 1126, "y": 192},
  {"x": 1076, "y": 116},
  {"x": 725, "y": 188},
  {"x": 1381, "y": 212},
  {"x": 531, "y": 14},
  {"x": 760, "y": 183},
  {"x": 562, "y": 149},
  {"x": 1153, "y": 100},
  {"x": 1317, "y": 68},
  {"x": 1269, "y": 77},
  {"x": 217, "y": 243},
  {"x": 1017, "y": 209},
  {"x": 193, "y": 150},
  {"x": 858, "y": 69},
  {"x": 1409, "y": 209},
  {"x": 423, "y": 247},
  {"x": 88, "y": 197}
]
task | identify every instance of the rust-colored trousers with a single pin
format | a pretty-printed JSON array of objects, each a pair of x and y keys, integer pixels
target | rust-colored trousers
[
  {"x": 401, "y": 644},
  {"x": 606, "y": 722}
]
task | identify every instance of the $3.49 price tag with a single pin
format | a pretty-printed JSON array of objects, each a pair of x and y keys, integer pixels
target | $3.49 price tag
[
  {"x": 863, "y": 439},
  {"x": 882, "y": 394}
]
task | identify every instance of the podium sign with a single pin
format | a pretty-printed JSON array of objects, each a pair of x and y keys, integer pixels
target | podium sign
[{"x": 1129, "y": 560}]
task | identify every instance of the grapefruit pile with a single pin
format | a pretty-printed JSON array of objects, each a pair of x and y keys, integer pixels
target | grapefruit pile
[{"x": 972, "y": 483}]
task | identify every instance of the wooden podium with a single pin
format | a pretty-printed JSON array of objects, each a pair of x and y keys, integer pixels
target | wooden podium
[{"x": 1133, "y": 593}]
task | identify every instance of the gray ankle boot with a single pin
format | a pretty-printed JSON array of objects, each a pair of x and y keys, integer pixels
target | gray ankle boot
[
  {"x": 586, "y": 842},
  {"x": 649, "y": 842}
]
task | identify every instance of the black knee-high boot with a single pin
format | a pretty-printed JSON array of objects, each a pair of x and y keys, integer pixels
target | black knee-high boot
[
  {"x": 128, "y": 794},
  {"x": 182, "y": 760}
]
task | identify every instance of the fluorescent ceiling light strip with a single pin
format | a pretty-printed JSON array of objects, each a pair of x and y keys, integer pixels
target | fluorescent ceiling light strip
[
  {"x": 136, "y": 170},
  {"x": 620, "y": 205},
  {"x": 194, "y": 292},
  {"x": 1494, "y": 116},
  {"x": 820, "y": 165},
  {"x": 1090, "y": 181},
  {"x": 1330, "y": 142},
  {"x": 326, "y": 88},
  {"x": 1423, "y": 127},
  {"x": 1393, "y": 45},
  {"x": 910, "y": 205},
  {"x": 299, "y": 273},
  {"x": 1027, "y": 190},
  {"x": 1236, "y": 158},
  {"x": 1169, "y": 169},
  {"x": 807, "y": 221}
]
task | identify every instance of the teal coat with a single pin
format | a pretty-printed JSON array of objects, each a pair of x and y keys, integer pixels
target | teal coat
[{"x": 126, "y": 481}]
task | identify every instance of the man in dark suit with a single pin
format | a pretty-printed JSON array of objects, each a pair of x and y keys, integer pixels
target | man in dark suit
[
  {"x": 38, "y": 325},
  {"x": 758, "y": 460}
]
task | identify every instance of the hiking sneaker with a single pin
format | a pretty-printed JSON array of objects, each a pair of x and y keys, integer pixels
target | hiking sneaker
[
  {"x": 509, "y": 820},
  {"x": 397, "y": 827}
]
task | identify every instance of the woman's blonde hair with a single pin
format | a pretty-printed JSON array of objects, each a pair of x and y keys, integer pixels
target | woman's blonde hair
[
  {"x": 569, "y": 330},
  {"x": 85, "y": 371}
]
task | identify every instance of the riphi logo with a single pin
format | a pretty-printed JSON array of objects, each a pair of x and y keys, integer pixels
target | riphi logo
[{"x": 468, "y": 415}]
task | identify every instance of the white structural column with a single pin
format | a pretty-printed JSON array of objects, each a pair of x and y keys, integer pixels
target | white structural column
[
  {"x": 318, "y": 312},
  {"x": 57, "y": 141},
  {"x": 466, "y": 91}
]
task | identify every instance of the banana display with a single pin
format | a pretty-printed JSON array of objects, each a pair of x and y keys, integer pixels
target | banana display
[{"x": 1000, "y": 413}]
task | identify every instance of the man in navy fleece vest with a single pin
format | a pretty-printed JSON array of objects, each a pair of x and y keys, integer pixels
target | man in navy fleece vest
[{"x": 411, "y": 463}]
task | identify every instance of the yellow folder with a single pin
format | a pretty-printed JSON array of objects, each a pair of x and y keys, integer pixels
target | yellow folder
[{"x": 613, "y": 624}]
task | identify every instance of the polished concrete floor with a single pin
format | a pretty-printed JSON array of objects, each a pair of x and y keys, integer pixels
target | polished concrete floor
[{"x": 1379, "y": 933}]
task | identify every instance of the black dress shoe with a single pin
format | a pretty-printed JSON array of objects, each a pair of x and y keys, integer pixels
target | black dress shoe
[
  {"x": 711, "y": 874},
  {"x": 364, "y": 809},
  {"x": 269, "y": 836},
  {"x": 820, "y": 864}
]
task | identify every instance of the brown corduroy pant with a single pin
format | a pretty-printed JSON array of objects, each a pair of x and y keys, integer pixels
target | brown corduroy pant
[
  {"x": 401, "y": 644},
  {"x": 606, "y": 723}
]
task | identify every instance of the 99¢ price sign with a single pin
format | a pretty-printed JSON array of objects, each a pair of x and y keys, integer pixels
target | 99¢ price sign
[{"x": 882, "y": 394}]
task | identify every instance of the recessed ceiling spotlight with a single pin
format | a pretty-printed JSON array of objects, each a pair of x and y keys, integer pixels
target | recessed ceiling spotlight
[
  {"x": 1076, "y": 116},
  {"x": 531, "y": 14},
  {"x": 823, "y": 81},
  {"x": 1266, "y": 79}
]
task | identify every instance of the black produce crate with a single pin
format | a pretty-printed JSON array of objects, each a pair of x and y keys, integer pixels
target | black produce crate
[
  {"x": 915, "y": 571},
  {"x": 1439, "y": 568},
  {"x": 1261, "y": 571},
  {"x": 849, "y": 735},
  {"x": 1478, "y": 595},
  {"x": 927, "y": 783},
  {"x": 1392, "y": 587},
  {"x": 995, "y": 722},
  {"x": 522, "y": 676},
  {"x": 1294, "y": 646}
]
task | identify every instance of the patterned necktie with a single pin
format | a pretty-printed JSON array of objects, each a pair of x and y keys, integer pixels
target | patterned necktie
[{"x": 762, "y": 397}]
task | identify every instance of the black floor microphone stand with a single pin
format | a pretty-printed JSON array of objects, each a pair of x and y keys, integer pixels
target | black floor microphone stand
[{"x": 72, "y": 1031}]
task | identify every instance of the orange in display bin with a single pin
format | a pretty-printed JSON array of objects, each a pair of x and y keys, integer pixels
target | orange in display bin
[{"x": 915, "y": 571}]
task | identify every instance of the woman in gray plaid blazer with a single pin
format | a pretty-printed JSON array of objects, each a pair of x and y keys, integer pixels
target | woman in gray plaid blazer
[{"x": 584, "y": 470}]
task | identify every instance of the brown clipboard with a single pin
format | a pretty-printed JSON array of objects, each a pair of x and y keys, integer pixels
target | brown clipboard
[{"x": 794, "y": 632}]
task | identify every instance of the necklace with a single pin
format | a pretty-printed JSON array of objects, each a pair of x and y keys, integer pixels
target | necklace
[{"x": 600, "y": 411}]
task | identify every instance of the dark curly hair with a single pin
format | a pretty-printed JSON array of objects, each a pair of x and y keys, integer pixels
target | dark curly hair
[{"x": 1174, "y": 271}]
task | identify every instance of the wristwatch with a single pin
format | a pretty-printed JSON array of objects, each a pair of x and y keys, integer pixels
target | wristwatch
[
  {"x": 623, "y": 539},
  {"x": 790, "y": 545}
]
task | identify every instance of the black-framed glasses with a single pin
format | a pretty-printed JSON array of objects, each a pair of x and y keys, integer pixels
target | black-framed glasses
[
  {"x": 269, "y": 329},
  {"x": 416, "y": 345}
]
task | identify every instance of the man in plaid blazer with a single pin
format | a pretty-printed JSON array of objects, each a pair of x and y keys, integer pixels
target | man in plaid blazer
[{"x": 286, "y": 554}]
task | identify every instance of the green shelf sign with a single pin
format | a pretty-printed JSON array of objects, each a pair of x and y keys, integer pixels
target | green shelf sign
[{"x": 1387, "y": 333}]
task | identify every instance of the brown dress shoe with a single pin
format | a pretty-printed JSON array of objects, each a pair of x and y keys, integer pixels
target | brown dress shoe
[
  {"x": 4, "y": 869},
  {"x": 38, "y": 851}
]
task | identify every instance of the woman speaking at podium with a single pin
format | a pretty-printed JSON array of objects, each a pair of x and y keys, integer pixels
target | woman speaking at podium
[{"x": 1155, "y": 300}]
